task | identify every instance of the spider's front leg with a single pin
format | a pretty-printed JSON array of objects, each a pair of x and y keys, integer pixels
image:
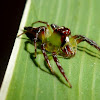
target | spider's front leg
[
  {"x": 46, "y": 57},
  {"x": 60, "y": 68},
  {"x": 80, "y": 38}
]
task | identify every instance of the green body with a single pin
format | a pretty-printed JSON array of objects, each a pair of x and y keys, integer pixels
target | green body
[{"x": 54, "y": 43}]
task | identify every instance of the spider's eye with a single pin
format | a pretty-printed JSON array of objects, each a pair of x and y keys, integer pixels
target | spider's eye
[{"x": 68, "y": 31}]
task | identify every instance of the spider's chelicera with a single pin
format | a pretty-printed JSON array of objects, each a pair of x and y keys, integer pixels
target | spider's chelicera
[{"x": 57, "y": 40}]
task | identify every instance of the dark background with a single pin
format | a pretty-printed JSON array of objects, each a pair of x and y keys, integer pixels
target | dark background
[{"x": 10, "y": 16}]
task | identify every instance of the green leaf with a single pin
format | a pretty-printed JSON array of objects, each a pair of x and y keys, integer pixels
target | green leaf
[{"x": 27, "y": 78}]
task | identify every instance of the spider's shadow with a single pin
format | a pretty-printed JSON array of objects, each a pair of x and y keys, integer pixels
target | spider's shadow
[
  {"x": 37, "y": 64},
  {"x": 89, "y": 52}
]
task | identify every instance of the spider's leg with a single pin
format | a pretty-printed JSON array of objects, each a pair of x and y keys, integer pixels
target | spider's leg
[
  {"x": 35, "y": 40},
  {"x": 81, "y": 38},
  {"x": 41, "y": 22},
  {"x": 60, "y": 68},
  {"x": 41, "y": 29},
  {"x": 48, "y": 26},
  {"x": 46, "y": 57}
]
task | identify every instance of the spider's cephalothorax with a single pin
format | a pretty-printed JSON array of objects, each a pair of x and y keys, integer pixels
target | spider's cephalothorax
[{"x": 57, "y": 40}]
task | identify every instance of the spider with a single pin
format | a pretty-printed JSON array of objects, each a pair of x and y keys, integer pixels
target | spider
[{"x": 57, "y": 40}]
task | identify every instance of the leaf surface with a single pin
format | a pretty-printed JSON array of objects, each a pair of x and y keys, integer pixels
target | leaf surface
[{"x": 31, "y": 79}]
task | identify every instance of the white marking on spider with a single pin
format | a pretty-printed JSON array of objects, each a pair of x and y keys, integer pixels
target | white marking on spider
[{"x": 67, "y": 39}]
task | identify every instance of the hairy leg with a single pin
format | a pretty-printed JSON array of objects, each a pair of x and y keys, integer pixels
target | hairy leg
[
  {"x": 81, "y": 38},
  {"x": 46, "y": 57},
  {"x": 60, "y": 68},
  {"x": 41, "y": 22},
  {"x": 41, "y": 29},
  {"x": 48, "y": 26}
]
